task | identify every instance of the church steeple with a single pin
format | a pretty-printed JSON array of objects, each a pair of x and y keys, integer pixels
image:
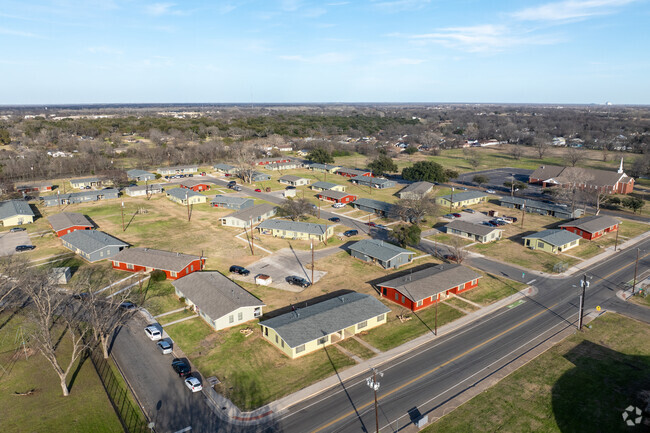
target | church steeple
[{"x": 620, "y": 169}]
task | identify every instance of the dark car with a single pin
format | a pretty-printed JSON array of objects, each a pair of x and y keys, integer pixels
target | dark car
[
  {"x": 25, "y": 247},
  {"x": 290, "y": 187},
  {"x": 232, "y": 183},
  {"x": 457, "y": 215},
  {"x": 181, "y": 367},
  {"x": 239, "y": 270},
  {"x": 513, "y": 219},
  {"x": 335, "y": 219},
  {"x": 351, "y": 233},
  {"x": 128, "y": 306},
  {"x": 450, "y": 257},
  {"x": 81, "y": 296},
  {"x": 298, "y": 281},
  {"x": 17, "y": 229}
]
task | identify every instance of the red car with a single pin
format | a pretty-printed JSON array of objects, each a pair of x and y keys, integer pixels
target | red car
[
  {"x": 457, "y": 215},
  {"x": 371, "y": 224},
  {"x": 258, "y": 190}
]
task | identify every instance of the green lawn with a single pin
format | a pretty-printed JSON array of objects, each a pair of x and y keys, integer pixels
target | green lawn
[
  {"x": 509, "y": 251},
  {"x": 583, "y": 384},
  {"x": 357, "y": 348},
  {"x": 491, "y": 288},
  {"x": 175, "y": 316},
  {"x": 159, "y": 297},
  {"x": 447, "y": 239}
]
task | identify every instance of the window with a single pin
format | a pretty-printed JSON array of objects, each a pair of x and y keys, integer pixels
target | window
[
  {"x": 276, "y": 339},
  {"x": 323, "y": 340},
  {"x": 540, "y": 244},
  {"x": 116, "y": 264},
  {"x": 240, "y": 316},
  {"x": 381, "y": 317},
  {"x": 403, "y": 298},
  {"x": 396, "y": 296},
  {"x": 300, "y": 348},
  {"x": 191, "y": 268},
  {"x": 419, "y": 303},
  {"x": 282, "y": 343},
  {"x": 266, "y": 331},
  {"x": 129, "y": 266},
  {"x": 231, "y": 319},
  {"x": 362, "y": 325},
  {"x": 172, "y": 273}
]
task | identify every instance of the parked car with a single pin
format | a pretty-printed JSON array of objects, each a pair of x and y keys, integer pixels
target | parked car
[
  {"x": 457, "y": 215},
  {"x": 25, "y": 247},
  {"x": 231, "y": 184},
  {"x": 128, "y": 306},
  {"x": 181, "y": 367},
  {"x": 351, "y": 233},
  {"x": 203, "y": 173},
  {"x": 239, "y": 270},
  {"x": 17, "y": 229},
  {"x": 338, "y": 205},
  {"x": 164, "y": 346},
  {"x": 450, "y": 257},
  {"x": 295, "y": 280},
  {"x": 193, "y": 384},
  {"x": 449, "y": 216},
  {"x": 290, "y": 187},
  {"x": 81, "y": 296},
  {"x": 237, "y": 188},
  {"x": 258, "y": 190},
  {"x": 490, "y": 191},
  {"x": 153, "y": 332},
  {"x": 190, "y": 175},
  {"x": 513, "y": 219},
  {"x": 468, "y": 210},
  {"x": 381, "y": 226},
  {"x": 335, "y": 219},
  {"x": 371, "y": 224}
]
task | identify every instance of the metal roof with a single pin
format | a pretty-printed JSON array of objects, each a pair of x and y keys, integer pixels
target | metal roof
[
  {"x": 324, "y": 185},
  {"x": 154, "y": 187},
  {"x": 90, "y": 241},
  {"x": 431, "y": 281},
  {"x": 64, "y": 220},
  {"x": 592, "y": 224},
  {"x": 181, "y": 193},
  {"x": 224, "y": 167},
  {"x": 291, "y": 178},
  {"x": 534, "y": 204},
  {"x": 590, "y": 176},
  {"x": 324, "y": 318},
  {"x": 294, "y": 226},
  {"x": 252, "y": 212},
  {"x": 374, "y": 204},
  {"x": 462, "y": 196},
  {"x": 137, "y": 173},
  {"x": 11, "y": 208},
  {"x": 371, "y": 180},
  {"x": 378, "y": 249},
  {"x": 418, "y": 188},
  {"x": 471, "y": 228},
  {"x": 84, "y": 180},
  {"x": 157, "y": 259},
  {"x": 230, "y": 199},
  {"x": 317, "y": 165},
  {"x": 555, "y": 237},
  {"x": 215, "y": 294},
  {"x": 332, "y": 193},
  {"x": 194, "y": 182},
  {"x": 353, "y": 171}
]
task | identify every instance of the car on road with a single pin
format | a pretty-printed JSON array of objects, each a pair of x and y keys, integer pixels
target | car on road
[
  {"x": 335, "y": 219},
  {"x": 468, "y": 210},
  {"x": 193, "y": 384},
  {"x": 235, "y": 269},
  {"x": 25, "y": 247},
  {"x": 450, "y": 258},
  {"x": 371, "y": 224},
  {"x": 181, "y": 367},
  {"x": 128, "y": 306},
  {"x": 232, "y": 183},
  {"x": 237, "y": 188},
  {"x": 449, "y": 216},
  {"x": 338, "y": 205},
  {"x": 349, "y": 233},
  {"x": 295, "y": 280},
  {"x": 457, "y": 215},
  {"x": 258, "y": 190},
  {"x": 153, "y": 332},
  {"x": 17, "y": 229},
  {"x": 164, "y": 346},
  {"x": 490, "y": 191},
  {"x": 290, "y": 187}
]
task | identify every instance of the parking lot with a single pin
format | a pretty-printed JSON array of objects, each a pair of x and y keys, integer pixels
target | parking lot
[{"x": 9, "y": 241}]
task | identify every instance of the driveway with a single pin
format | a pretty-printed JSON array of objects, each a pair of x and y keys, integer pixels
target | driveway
[{"x": 9, "y": 241}]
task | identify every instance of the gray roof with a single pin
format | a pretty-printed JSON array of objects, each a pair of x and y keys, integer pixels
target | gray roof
[
  {"x": 150, "y": 187},
  {"x": 431, "y": 281},
  {"x": 230, "y": 199},
  {"x": 90, "y": 241},
  {"x": 418, "y": 188},
  {"x": 294, "y": 226},
  {"x": 320, "y": 166},
  {"x": 252, "y": 212},
  {"x": 555, "y": 237},
  {"x": 332, "y": 193},
  {"x": 324, "y": 185},
  {"x": 180, "y": 193},
  {"x": 591, "y": 176},
  {"x": 592, "y": 224},
  {"x": 465, "y": 195},
  {"x": 64, "y": 220},
  {"x": 378, "y": 249},
  {"x": 85, "y": 179},
  {"x": 471, "y": 228},
  {"x": 374, "y": 204},
  {"x": 157, "y": 259},
  {"x": 224, "y": 167},
  {"x": 324, "y": 318},
  {"x": 179, "y": 167},
  {"x": 353, "y": 171},
  {"x": 534, "y": 204},
  {"x": 137, "y": 173},
  {"x": 11, "y": 208},
  {"x": 291, "y": 178},
  {"x": 546, "y": 172},
  {"x": 371, "y": 180},
  {"x": 215, "y": 294},
  {"x": 71, "y": 196},
  {"x": 194, "y": 182}
]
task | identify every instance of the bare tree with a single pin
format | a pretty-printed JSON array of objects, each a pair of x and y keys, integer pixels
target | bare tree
[
  {"x": 574, "y": 156},
  {"x": 431, "y": 140},
  {"x": 573, "y": 181},
  {"x": 457, "y": 250},
  {"x": 295, "y": 209},
  {"x": 415, "y": 209},
  {"x": 12, "y": 279},
  {"x": 517, "y": 152},
  {"x": 541, "y": 145},
  {"x": 244, "y": 156},
  {"x": 596, "y": 197}
]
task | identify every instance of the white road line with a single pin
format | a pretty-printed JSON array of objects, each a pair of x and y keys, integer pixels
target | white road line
[
  {"x": 532, "y": 281},
  {"x": 188, "y": 428}
]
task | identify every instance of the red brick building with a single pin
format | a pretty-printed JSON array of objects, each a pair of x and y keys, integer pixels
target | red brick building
[
  {"x": 174, "y": 265},
  {"x": 592, "y": 227},
  {"x": 276, "y": 160},
  {"x": 195, "y": 185},
  {"x": 353, "y": 172},
  {"x": 614, "y": 182},
  {"x": 68, "y": 222},
  {"x": 336, "y": 196},
  {"x": 424, "y": 288}
]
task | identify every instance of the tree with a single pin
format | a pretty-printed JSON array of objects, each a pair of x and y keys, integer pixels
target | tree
[
  {"x": 5, "y": 137},
  {"x": 474, "y": 158},
  {"x": 515, "y": 185},
  {"x": 517, "y": 152},
  {"x": 415, "y": 209},
  {"x": 456, "y": 249},
  {"x": 633, "y": 203},
  {"x": 425, "y": 170},
  {"x": 244, "y": 156},
  {"x": 480, "y": 179},
  {"x": 451, "y": 174},
  {"x": 407, "y": 234},
  {"x": 411, "y": 150},
  {"x": 11, "y": 281},
  {"x": 382, "y": 164},
  {"x": 541, "y": 145},
  {"x": 320, "y": 155},
  {"x": 574, "y": 156},
  {"x": 295, "y": 209}
]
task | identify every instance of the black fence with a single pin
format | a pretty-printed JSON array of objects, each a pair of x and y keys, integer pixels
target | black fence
[{"x": 131, "y": 417}]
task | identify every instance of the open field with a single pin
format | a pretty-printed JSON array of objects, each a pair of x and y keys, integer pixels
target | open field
[
  {"x": 583, "y": 384},
  {"x": 491, "y": 288}
]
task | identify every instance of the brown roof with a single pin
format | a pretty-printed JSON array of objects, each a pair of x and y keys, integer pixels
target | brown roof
[
  {"x": 545, "y": 172},
  {"x": 589, "y": 176},
  {"x": 592, "y": 224},
  {"x": 157, "y": 259},
  {"x": 65, "y": 220},
  {"x": 431, "y": 281}
]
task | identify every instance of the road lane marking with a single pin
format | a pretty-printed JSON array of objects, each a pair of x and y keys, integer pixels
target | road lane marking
[
  {"x": 426, "y": 373},
  {"x": 532, "y": 281},
  {"x": 184, "y": 430},
  {"x": 516, "y": 303}
]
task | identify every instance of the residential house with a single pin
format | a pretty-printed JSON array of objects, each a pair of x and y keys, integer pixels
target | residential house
[
  {"x": 381, "y": 253},
  {"x": 178, "y": 169},
  {"x": 541, "y": 208},
  {"x": 373, "y": 182},
  {"x": 140, "y": 175},
  {"x": 313, "y": 327},
  {"x": 221, "y": 302},
  {"x": 326, "y": 186},
  {"x": 37, "y": 187},
  {"x": 336, "y": 196},
  {"x": 423, "y": 288},
  {"x": 86, "y": 182},
  {"x": 552, "y": 241},
  {"x": 324, "y": 168},
  {"x": 416, "y": 190},
  {"x": 92, "y": 245},
  {"x": 15, "y": 213},
  {"x": 174, "y": 265},
  {"x": 227, "y": 169},
  {"x": 475, "y": 232},
  {"x": 273, "y": 160},
  {"x": 353, "y": 172},
  {"x": 592, "y": 227},
  {"x": 615, "y": 182},
  {"x": 276, "y": 166},
  {"x": 196, "y": 185},
  {"x": 462, "y": 199},
  {"x": 373, "y": 206},
  {"x": 184, "y": 195},
  {"x": 289, "y": 179},
  {"x": 143, "y": 190},
  {"x": 295, "y": 229},
  {"x": 80, "y": 197},
  {"x": 258, "y": 176},
  {"x": 232, "y": 202},
  {"x": 68, "y": 222},
  {"x": 244, "y": 217}
]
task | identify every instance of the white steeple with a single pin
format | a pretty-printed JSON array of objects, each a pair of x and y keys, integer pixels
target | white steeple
[{"x": 620, "y": 169}]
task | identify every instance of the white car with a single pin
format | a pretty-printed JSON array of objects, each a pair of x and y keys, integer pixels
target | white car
[
  {"x": 338, "y": 205},
  {"x": 165, "y": 347},
  {"x": 193, "y": 384},
  {"x": 153, "y": 332},
  {"x": 490, "y": 191}
]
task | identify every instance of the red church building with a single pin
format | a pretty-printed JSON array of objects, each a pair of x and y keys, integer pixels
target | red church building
[
  {"x": 174, "y": 265},
  {"x": 592, "y": 227}
]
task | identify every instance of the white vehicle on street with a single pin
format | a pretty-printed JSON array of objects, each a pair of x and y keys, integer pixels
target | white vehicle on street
[
  {"x": 193, "y": 384},
  {"x": 165, "y": 347},
  {"x": 153, "y": 332},
  {"x": 338, "y": 205}
]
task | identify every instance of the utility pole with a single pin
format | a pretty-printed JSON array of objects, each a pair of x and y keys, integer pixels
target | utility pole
[
  {"x": 312, "y": 261},
  {"x": 319, "y": 209},
  {"x": 584, "y": 284},
  {"x": 374, "y": 385},
  {"x": 636, "y": 267},
  {"x": 123, "y": 228},
  {"x": 523, "y": 213},
  {"x": 188, "y": 204},
  {"x": 435, "y": 327},
  {"x": 512, "y": 184},
  {"x": 252, "y": 238},
  {"x": 451, "y": 201},
  {"x": 616, "y": 241}
]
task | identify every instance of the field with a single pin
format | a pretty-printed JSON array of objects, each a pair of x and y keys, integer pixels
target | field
[{"x": 583, "y": 384}]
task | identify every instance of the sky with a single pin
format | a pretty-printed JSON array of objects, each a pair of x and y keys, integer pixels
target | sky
[{"x": 293, "y": 51}]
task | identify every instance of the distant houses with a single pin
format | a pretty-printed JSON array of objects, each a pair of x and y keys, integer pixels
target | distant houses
[
  {"x": 552, "y": 241},
  {"x": 295, "y": 230},
  {"x": 250, "y": 215},
  {"x": 277, "y": 166},
  {"x": 541, "y": 208},
  {"x": 86, "y": 182},
  {"x": 381, "y": 253},
  {"x": 592, "y": 227},
  {"x": 140, "y": 175},
  {"x": 174, "y": 265},
  {"x": 178, "y": 169},
  {"x": 34, "y": 187},
  {"x": 15, "y": 212},
  {"x": 93, "y": 245}
]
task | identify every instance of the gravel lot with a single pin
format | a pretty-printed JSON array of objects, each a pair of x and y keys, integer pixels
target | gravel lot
[{"x": 9, "y": 241}]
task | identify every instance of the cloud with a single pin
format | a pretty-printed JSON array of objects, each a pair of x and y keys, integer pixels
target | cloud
[
  {"x": 403, "y": 61},
  {"x": 399, "y": 5},
  {"x": 158, "y": 9},
  {"x": 5, "y": 31},
  {"x": 324, "y": 58},
  {"x": 569, "y": 10},
  {"x": 105, "y": 50},
  {"x": 338, "y": 4}
]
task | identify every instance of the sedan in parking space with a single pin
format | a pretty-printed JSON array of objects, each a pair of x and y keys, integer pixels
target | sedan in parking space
[
  {"x": 258, "y": 190},
  {"x": 164, "y": 346},
  {"x": 193, "y": 384},
  {"x": 349, "y": 233},
  {"x": 153, "y": 332},
  {"x": 294, "y": 280},
  {"x": 181, "y": 367},
  {"x": 490, "y": 191},
  {"x": 457, "y": 215},
  {"x": 17, "y": 229},
  {"x": 128, "y": 306},
  {"x": 449, "y": 216},
  {"x": 25, "y": 247},
  {"x": 335, "y": 219},
  {"x": 239, "y": 270},
  {"x": 468, "y": 210}
]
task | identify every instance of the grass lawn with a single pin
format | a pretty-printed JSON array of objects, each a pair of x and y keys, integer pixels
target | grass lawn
[
  {"x": 445, "y": 238},
  {"x": 357, "y": 348},
  {"x": 642, "y": 298},
  {"x": 582, "y": 384},
  {"x": 517, "y": 254},
  {"x": 159, "y": 297},
  {"x": 459, "y": 303},
  {"x": 175, "y": 316},
  {"x": 86, "y": 409},
  {"x": 491, "y": 288}
]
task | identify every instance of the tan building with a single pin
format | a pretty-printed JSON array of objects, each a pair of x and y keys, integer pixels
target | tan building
[
  {"x": 296, "y": 230},
  {"x": 15, "y": 213}
]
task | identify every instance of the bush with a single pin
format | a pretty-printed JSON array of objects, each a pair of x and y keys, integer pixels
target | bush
[{"x": 158, "y": 275}]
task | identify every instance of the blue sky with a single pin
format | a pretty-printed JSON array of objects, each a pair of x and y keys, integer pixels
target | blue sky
[{"x": 135, "y": 51}]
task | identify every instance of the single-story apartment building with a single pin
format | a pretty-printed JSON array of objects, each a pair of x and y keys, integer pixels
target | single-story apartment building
[
  {"x": 140, "y": 175},
  {"x": 313, "y": 327},
  {"x": 552, "y": 240},
  {"x": 93, "y": 245},
  {"x": 227, "y": 169},
  {"x": 143, "y": 190},
  {"x": 276, "y": 166},
  {"x": 86, "y": 182},
  {"x": 423, "y": 288},
  {"x": 462, "y": 199},
  {"x": 68, "y": 222},
  {"x": 324, "y": 168},
  {"x": 541, "y": 208},
  {"x": 353, "y": 172},
  {"x": 174, "y": 265},
  {"x": 289, "y": 179},
  {"x": 258, "y": 176},
  {"x": 476, "y": 232},
  {"x": 244, "y": 217},
  {"x": 184, "y": 195},
  {"x": 15, "y": 213},
  {"x": 295, "y": 229},
  {"x": 373, "y": 206},
  {"x": 336, "y": 196},
  {"x": 80, "y": 197},
  {"x": 381, "y": 253},
  {"x": 416, "y": 190},
  {"x": 273, "y": 160},
  {"x": 221, "y": 302},
  {"x": 196, "y": 185},
  {"x": 373, "y": 182},
  {"x": 327, "y": 186},
  {"x": 178, "y": 169},
  {"x": 592, "y": 227},
  {"x": 232, "y": 202},
  {"x": 28, "y": 188}
]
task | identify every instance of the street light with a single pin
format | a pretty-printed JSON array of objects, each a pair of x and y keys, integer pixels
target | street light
[{"x": 374, "y": 385}]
